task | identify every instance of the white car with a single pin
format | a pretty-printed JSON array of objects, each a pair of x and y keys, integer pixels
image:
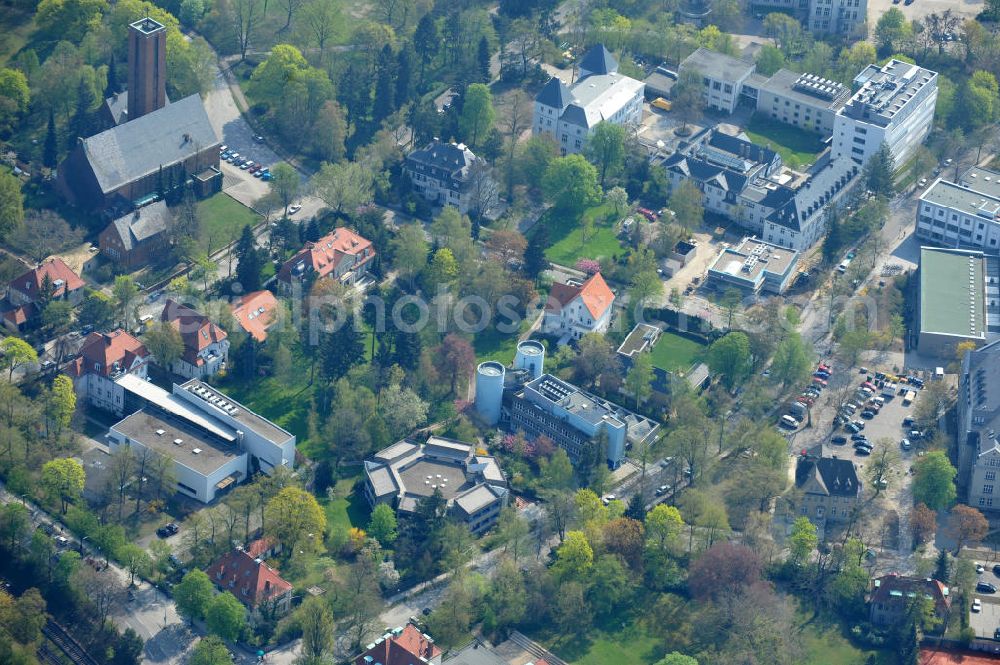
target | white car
[
  {"x": 980, "y": 568},
  {"x": 294, "y": 209},
  {"x": 905, "y": 444},
  {"x": 977, "y": 605}
]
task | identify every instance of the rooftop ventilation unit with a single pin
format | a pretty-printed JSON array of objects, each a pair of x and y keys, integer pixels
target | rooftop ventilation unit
[
  {"x": 196, "y": 451},
  {"x": 159, "y": 432},
  {"x": 178, "y": 442}
]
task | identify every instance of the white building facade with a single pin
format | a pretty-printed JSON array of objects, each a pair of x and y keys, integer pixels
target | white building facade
[
  {"x": 894, "y": 104},
  {"x": 962, "y": 214}
]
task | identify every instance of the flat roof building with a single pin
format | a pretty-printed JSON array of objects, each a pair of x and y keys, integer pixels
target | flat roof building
[
  {"x": 722, "y": 75},
  {"x": 952, "y": 306},
  {"x": 807, "y": 101},
  {"x": 893, "y": 104},
  {"x": 213, "y": 441},
  {"x": 962, "y": 214},
  {"x": 754, "y": 266},
  {"x": 473, "y": 485}
]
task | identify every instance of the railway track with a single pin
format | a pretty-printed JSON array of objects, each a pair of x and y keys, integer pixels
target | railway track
[
  {"x": 46, "y": 655},
  {"x": 69, "y": 646}
]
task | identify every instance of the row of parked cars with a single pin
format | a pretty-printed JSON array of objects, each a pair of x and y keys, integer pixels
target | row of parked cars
[
  {"x": 797, "y": 410},
  {"x": 244, "y": 163}
]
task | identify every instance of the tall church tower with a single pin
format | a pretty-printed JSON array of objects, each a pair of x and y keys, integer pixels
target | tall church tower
[{"x": 147, "y": 67}]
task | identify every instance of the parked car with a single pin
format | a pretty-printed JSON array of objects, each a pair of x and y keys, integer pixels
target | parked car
[
  {"x": 662, "y": 489},
  {"x": 294, "y": 209},
  {"x": 266, "y": 175},
  {"x": 167, "y": 530},
  {"x": 908, "y": 421},
  {"x": 174, "y": 561},
  {"x": 863, "y": 451},
  {"x": 977, "y": 605},
  {"x": 819, "y": 382},
  {"x": 860, "y": 423},
  {"x": 223, "y": 148},
  {"x": 985, "y": 587},
  {"x": 233, "y": 156},
  {"x": 858, "y": 437},
  {"x": 789, "y": 422},
  {"x": 852, "y": 428},
  {"x": 905, "y": 444},
  {"x": 980, "y": 568},
  {"x": 247, "y": 164},
  {"x": 996, "y": 570},
  {"x": 61, "y": 541},
  {"x": 839, "y": 440},
  {"x": 608, "y": 499}
]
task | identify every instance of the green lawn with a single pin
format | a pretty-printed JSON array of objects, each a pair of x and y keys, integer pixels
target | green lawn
[
  {"x": 633, "y": 644},
  {"x": 566, "y": 235},
  {"x": 15, "y": 29},
  {"x": 675, "y": 353},
  {"x": 283, "y": 402},
  {"x": 797, "y": 147},
  {"x": 222, "y": 220},
  {"x": 493, "y": 345},
  {"x": 824, "y": 644},
  {"x": 351, "y": 510}
]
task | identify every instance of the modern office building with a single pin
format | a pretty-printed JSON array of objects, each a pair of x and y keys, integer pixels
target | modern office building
[
  {"x": 214, "y": 442},
  {"x": 893, "y": 104},
  {"x": 805, "y": 101},
  {"x": 963, "y": 214},
  {"x": 473, "y": 485},
  {"x": 722, "y": 75},
  {"x": 953, "y": 300},
  {"x": 754, "y": 266},
  {"x": 600, "y": 94},
  {"x": 977, "y": 445}
]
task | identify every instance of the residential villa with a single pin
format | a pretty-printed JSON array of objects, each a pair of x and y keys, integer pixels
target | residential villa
[
  {"x": 255, "y": 312},
  {"x": 27, "y": 291},
  {"x": 574, "y": 310},
  {"x": 103, "y": 359},
  {"x": 341, "y": 254},
  {"x": 258, "y": 586},
  {"x": 206, "y": 348}
]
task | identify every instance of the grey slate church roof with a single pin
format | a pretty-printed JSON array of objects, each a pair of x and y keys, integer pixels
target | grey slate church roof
[
  {"x": 555, "y": 94},
  {"x": 598, "y": 60},
  {"x": 138, "y": 148}
]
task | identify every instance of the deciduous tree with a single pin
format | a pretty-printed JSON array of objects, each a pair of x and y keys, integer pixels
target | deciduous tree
[
  {"x": 63, "y": 480},
  {"x": 570, "y": 184},
  {"x": 478, "y": 114},
  {"x": 225, "y": 616},
  {"x": 934, "y": 480},
  {"x": 295, "y": 519},
  {"x": 193, "y": 594},
  {"x": 967, "y": 526}
]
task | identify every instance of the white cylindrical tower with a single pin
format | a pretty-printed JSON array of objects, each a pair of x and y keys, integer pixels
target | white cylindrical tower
[
  {"x": 489, "y": 391},
  {"x": 530, "y": 356}
]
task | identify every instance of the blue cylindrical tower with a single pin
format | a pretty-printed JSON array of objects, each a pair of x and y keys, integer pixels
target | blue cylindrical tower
[
  {"x": 489, "y": 391},
  {"x": 530, "y": 356}
]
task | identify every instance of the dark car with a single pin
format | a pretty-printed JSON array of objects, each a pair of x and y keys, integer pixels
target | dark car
[
  {"x": 167, "y": 530},
  {"x": 426, "y": 611},
  {"x": 867, "y": 414},
  {"x": 852, "y": 428},
  {"x": 996, "y": 570},
  {"x": 864, "y": 451},
  {"x": 985, "y": 587},
  {"x": 858, "y": 437},
  {"x": 908, "y": 421},
  {"x": 839, "y": 440},
  {"x": 819, "y": 374},
  {"x": 860, "y": 424}
]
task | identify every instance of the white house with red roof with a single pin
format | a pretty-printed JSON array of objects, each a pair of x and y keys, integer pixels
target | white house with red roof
[
  {"x": 27, "y": 291},
  {"x": 342, "y": 254},
  {"x": 258, "y": 586},
  {"x": 104, "y": 358},
  {"x": 573, "y": 310},
  {"x": 206, "y": 348}
]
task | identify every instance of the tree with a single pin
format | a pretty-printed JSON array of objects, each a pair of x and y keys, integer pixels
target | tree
[
  {"x": 769, "y": 59},
  {"x": 508, "y": 246},
  {"x": 16, "y": 354},
  {"x": 50, "y": 149},
  {"x": 729, "y": 357},
  {"x": 724, "y": 569},
  {"x": 942, "y": 567},
  {"x": 606, "y": 148},
  {"x": 11, "y": 203},
  {"x": 136, "y": 561},
  {"x": 317, "y": 638},
  {"x": 330, "y": 130},
  {"x": 478, "y": 114},
  {"x": 923, "y": 523},
  {"x": 426, "y": 41},
  {"x": 245, "y": 17},
  {"x": 934, "y": 480},
  {"x": 295, "y": 519},
  {"x": 456, "y": 358},
  {"x": 382, "y": 526},
  {"x": 884, "y": 460},
  {"x": 639, "y": 380},
  {"x": 285, "y": 184},
  {"x": 63, "y": 479},
  {"x": 402, "y": 409},
  {"x": 892, "y": 30},
  {"x": 574, "y": 558},
  {"x": 879, "y": 172},
  {"x": 677, "y": 658},
  {"x": 688, "y": 97},
  {"x": 125, "y": 291},
  {"x": 967, "y": 526},
  {"x": 686, "y": 203},
  {"x": 534, "y": 254},
  {"x": 62, "y": 402},
  {"x": 663, "y": 527},
  {"x": 344, "y": 186},
  {"x": 193, "y": 594},
  {"x": 225, "y": 616},
  {"x": 341, "y": 349},
  {"x": 570, "y": 184},
  {"x": 210, "y": 650},
  {"x": 791, "y": 362},
  {"x": 165, "y": 343},
  {"x": 410, "y": 250},
  {"x": 802, "y": 540}
]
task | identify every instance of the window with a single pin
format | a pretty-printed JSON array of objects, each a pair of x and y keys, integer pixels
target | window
[
  {"x": 987, "y": 489},
  {"x": 716, "y": 85},
  {"x": 728, "y": 88},
  {"x": 990, "y": 475}
]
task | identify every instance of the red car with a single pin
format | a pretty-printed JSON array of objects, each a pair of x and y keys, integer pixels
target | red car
[
  {"x": 823, "y": 367},
  {"x": 819, "y": 382},
  {"x": 869, "y": 385},
  {"x": 647, "y": 213}
]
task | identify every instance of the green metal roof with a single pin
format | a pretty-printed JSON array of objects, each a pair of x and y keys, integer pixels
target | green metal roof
[{"x": 952, "y": 292}]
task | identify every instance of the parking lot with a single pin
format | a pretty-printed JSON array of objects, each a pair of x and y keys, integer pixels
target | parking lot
[{"x": 987, "y": 621}]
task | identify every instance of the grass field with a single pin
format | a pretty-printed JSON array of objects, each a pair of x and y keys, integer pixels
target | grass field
[
  {"x": 824, "y": 644},
  {"x": 630, "y": 643},
  {"x": 284, "y": 402},
  {"x": 15, "y": 30},
  {"x": 797, "y": 147},
  {"x": 566, "y": 236},
  {"x": 222, "y": 220},
  {"x": 348, "y": 511},
  {"x": 675, "y": 353}
]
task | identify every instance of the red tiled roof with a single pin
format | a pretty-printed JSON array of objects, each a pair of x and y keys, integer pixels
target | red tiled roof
[
  {"x": 899, "y": 583},
  {"x": 404, "y": 649},
  {"x": 197, "y": 331},
  {"x": 595, "y": 293},
  {"x": 324, "y": 255},
  {"x": 249, "y": 579},
  {"x": 259, "y": 548},
  {"x": 30, "y": 283},
  {"x": 101, "y": 352},
  {"x": 943, "y": 656},
  {"x": 248, "y": 313},
  {"x": 20, "y": 315}
]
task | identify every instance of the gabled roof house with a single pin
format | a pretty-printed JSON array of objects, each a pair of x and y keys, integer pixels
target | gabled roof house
[
  {"x": 341, "y": 254},
  {"x": 205, "y": 345},
  {"x": 253, "y": 582},
  {"x": 573, "y": 310}
]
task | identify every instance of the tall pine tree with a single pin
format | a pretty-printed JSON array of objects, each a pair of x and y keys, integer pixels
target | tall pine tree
[
  {"x": 534, "y": 254},
  {"x": 404, "y": 75},
  {"x": 483, "y": 58},
  {"x": 50, "y": 151},
  {"x": 341, "y": 350},
  {"x": 385, "y": 85}
]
